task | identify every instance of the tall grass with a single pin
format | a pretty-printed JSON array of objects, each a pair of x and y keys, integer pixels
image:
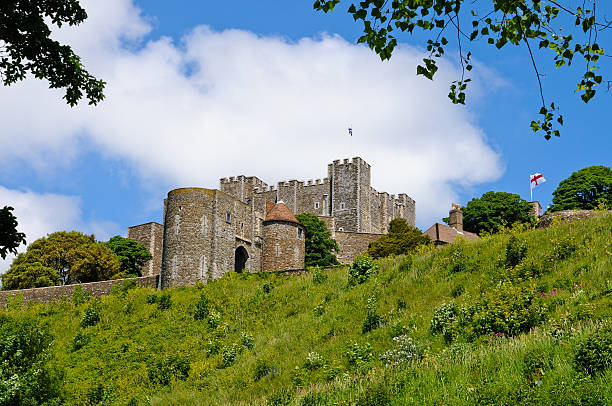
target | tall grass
[{"x": 253, "y": 343}]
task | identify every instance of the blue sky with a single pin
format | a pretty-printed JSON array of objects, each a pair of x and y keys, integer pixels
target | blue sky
[{"x": 203, "y": 90}]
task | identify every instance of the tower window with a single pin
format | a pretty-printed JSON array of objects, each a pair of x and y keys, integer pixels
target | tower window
[
  {"x": 300, "y": 233},
  {"x": 228, "y": 218},
  {"x": 341, "y": 229},
  {"x": 316, "y": 205},
  {"x": 341, "y": 206}
]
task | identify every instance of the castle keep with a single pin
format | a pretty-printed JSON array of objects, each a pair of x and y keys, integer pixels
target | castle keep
[{"x": 248, "y": 225}]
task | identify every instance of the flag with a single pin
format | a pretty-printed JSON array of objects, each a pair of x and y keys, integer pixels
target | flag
[
  {"x": 350, "y": 131},
  {"x": 536, "y": 179}
]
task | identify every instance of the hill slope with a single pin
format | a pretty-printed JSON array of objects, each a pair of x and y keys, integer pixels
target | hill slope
[{"x": 512, "y": 321}]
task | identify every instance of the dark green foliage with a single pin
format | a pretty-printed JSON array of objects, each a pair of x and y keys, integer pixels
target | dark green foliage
[
  {"x": 80, "y": 340},
  {"x": 401, "y": 239},
  {"x": 267, "y": 288},
  {"x": 516, "y": 250},
  {"x": 91, "y": 316},
  {"x": 318, "y": 275},
  {"x": 357, "y": 354},
  {"x": 536, "y": 363},
  {"x": 280, "y": 398},
  {"x": 229, "y": 355},
  {"x": 361, "y": 269},
  {"x": 319, "y": 244},
  {"x": 585, "y": 189},
  {"x": 262, "y": 368},
  {"x": 498, "y": 23},
  {"x": 98, "y": 394},
  {"x": 493, "y": 210},
  {"x": 247, "y": 341},
  {"x": 79, "y": 295},
  {"x": 25, "y": 376},
  {"x": 132, "y": 254},
  {"x": 594, "y": 353},
  {"x": 62, "y": 258},
  {"x": 446, "y": 320},
  {"x": 28, "y": 48},
  {"x": 10, "y": 238},
  {"x": 201, "y": 309},
  {"x": 457, "y": 290},
  {"x": 164, "y": 371},
  {"x": 372, "y": 321},
  {"x": 163, "y": 300}
]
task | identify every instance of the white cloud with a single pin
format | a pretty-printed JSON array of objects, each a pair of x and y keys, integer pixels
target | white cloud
[
  {"x": 224, "y": 103},
  {"x": 41, "y": 214}
]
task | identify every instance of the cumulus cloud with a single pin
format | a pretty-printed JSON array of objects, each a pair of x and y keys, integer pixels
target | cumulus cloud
[
  {"x": 41, "y": 214},
  {"x": 216, "y": 104}
]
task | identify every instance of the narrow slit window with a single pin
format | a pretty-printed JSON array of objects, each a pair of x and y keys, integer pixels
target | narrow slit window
[{"x": 228, "y": 218}]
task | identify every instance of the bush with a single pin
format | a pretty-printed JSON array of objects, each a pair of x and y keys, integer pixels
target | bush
[
  {"x": 535, "y": 364},
  {"x": 372, "y": 321},
  {"x": 201, "y": 308},
  {"x": 377, "y": 396},
  {"x": 313, "y": 361},
  {"x": 362, "y": 267},
  {"x": 79, "y": 341},
  {"x": 25, "y": 377},
  {"x": 445, "y": 321},
  {"x": 163, "y": 300},
  {"x": 594, "y": 353},
  {"x": 229, "y": 355},
  {"x": 163, "y": 371},
  {"x": 280, "y": 398},
  {"x": 267, "y": 288},
  {"x": 516, "y": 250},
  {"x": 457, "y": 290},
  {"x": 318, "y": 275},
  {"x": 247, "y": 340},
  {"x": 406, "y": 350},
  {"x": 358, "y": 354},
  {"x": 214, "y": 319},
  {"x": 91, "y": 316},
  {"x": 262, "y": 368},
  {"x": 212, "y": 348}
]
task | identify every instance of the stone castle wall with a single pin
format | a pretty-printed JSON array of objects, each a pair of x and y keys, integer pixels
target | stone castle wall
[
  {"x": 284, "y": 246},
  {"x": 151, "y": 236},
  {"x": 202, "y": 230},
  {"x": 353, "y": 244},
  {"x": 51, "y": 293}
]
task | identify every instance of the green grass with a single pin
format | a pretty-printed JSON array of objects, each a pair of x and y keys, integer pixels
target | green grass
[{"x": 288, "y": 317}]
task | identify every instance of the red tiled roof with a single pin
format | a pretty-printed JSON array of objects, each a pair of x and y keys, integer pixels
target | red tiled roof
[
  {"x": 281, "y": 212},
  {"x": 447, "y": 234}
]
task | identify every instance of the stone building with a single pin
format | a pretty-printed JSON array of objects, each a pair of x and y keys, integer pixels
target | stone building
[
  {"x": 248, "y": 225},
  {"x": 442, "y": 234}
]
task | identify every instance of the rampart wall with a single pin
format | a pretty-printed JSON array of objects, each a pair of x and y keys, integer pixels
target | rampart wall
[
  {"x": 151, "y": 236},
  {"x": 353, "y": 244},
  {"x": 51, "y": 293}
]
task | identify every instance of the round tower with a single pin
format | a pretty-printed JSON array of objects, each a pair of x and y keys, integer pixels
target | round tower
[
  {"x": 187, "y": 250},
  {"x": 284, "y": 240}
]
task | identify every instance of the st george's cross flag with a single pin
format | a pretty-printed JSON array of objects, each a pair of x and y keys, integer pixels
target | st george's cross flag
[
  {"x": 350, "y": 131},
  {"x": 536, "y": 179}
]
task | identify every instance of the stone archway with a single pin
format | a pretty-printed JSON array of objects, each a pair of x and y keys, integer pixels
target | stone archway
[{"x": 240, "y": 258}]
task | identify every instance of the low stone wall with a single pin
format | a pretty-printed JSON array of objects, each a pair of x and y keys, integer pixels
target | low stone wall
[
  {"x": 567, "y": 215},
  {"x": 51, "y": 293},
  {"x": 353, "y": 244}
]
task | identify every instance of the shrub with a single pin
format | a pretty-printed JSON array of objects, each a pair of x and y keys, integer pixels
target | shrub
[
  {"x": 376, "y": 396},
  {"x": 262, "y": 368},
  {"x": 457, "y": 290},
  {"x": 372, "y": 321},
  {"x": 247, "y": 340},
  {"x": 267, "y": 288},
  {"x": 229, "y": 355},
  {"x": 358, "y": 354},
  {"x": 201, "y": 308},
  {"x": 535, "y": 364},
  {"x": 516, "y": 250},
  {"x": 79, "y": 296},
  {"x": 564, "y": 248},
  {"x": 213, "y": 319},
  {"x": 91, "y": 316},
  {"x": 313, "y": 361},
  {"x": 318, "y": 275},
  {"x": 163, "y": 371},
  {"x": 79, "y": 341},
  {"x": 594, "y": 353},
  {"x": 445, "y": 321},
  {"x": 406, "y": 350},
  {"x": 212, "y": 348},
  {"x": 401, "y": 304},
  {"x": 362, "y": 267},
  {"x": 164, "y": 302},
  {"x": 280, "y": 398},
  {"x": 458, "y": 261}
]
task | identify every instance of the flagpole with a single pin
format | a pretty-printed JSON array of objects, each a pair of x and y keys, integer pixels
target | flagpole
[{"x": 530, "y": 190}]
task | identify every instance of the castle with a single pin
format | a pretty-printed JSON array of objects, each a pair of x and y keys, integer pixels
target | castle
[{"x": 248, "y": 225}]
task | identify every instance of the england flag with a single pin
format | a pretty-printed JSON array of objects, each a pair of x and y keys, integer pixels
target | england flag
[{"x": 536, "y": 179}]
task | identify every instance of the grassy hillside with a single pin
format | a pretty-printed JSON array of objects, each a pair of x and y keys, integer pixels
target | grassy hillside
[{"x": 518, "y": 318}]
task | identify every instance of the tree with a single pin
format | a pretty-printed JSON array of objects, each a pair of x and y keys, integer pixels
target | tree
[
  {"x": 319, "y": 244},
  {"x": 585, "y": 189},
  {"x": 10, "y": 238},
  {"x": 494, "y": 209},
  {"x": 401, "y": 239},
  {"x": 62, "y": 258},
  {"x": 26, "y": 46},
  {"x": 524, "y": 23},
  {"x": 25, "y": 376},
  {"x": 132, "y": 254}
]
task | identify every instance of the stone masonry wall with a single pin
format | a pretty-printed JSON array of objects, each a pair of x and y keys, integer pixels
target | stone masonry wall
[
  {"x": 284, "y": 246},
  {"x": 353, "y": 244},
  {"x": 51, "y": 293},
  {"x": 151, "y": 236}
]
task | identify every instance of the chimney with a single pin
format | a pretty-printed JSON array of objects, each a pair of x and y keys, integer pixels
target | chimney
[
  {"x": 455, "y": 217},
  {"x": 536, "y": 209}
]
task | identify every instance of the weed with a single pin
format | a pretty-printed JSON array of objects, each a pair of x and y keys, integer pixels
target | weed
[
  {"x": 406, "y": 350},
  {"x": 91, "y": 316},
  {"x": 361, "y": 269},
  {"x": 318, "y": 276},
  {"x": 594, "y": 353}
]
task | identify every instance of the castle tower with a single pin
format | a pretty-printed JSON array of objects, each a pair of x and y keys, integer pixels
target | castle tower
[
  {"x": 284, "y": 239},
  {"x": 455, "y": 217},
  {"x": 350, "y": 189}
]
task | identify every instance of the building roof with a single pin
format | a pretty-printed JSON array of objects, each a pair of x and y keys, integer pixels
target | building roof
[
  {"x": 446, "y": 234},
  {"x": 280, "y": 212}
]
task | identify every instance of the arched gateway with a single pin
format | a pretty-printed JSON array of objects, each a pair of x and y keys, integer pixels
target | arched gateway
[{"x": 240, "y": 259}]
